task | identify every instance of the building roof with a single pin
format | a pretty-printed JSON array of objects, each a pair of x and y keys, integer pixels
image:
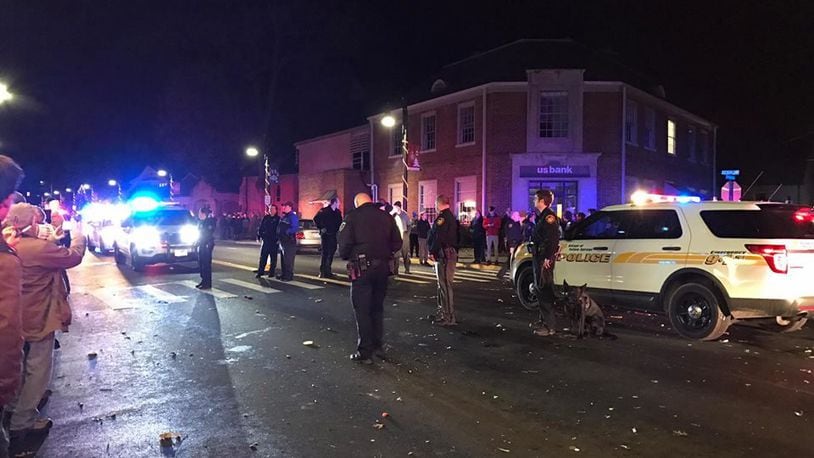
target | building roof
[{"x": 511, "y": 61}]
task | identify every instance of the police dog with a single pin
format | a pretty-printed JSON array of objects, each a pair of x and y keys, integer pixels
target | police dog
[{"x": 585, "y": 315}]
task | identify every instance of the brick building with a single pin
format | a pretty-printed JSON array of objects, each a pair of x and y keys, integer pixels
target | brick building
[{"x": 533, "y": 114}]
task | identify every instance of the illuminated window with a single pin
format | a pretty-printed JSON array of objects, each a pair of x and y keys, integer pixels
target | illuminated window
[
  {"x": 466, "y": 123},
  {"x": 466, "y": 194},
  {"x": 554, "y": 114},
  {"x": 394, "y": 193},
  {"x": 650, "y": 129},
  {"x": 671, "y": 137},
  {"x": 631, "y": 121},
  {"x": 428, "y": 132}
]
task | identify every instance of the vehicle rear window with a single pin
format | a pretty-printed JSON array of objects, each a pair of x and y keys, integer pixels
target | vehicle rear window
[
  {"x": 307, "y": 224},
  {"x": 163, "y": 218},
  {"x": 766, "y": 223}
]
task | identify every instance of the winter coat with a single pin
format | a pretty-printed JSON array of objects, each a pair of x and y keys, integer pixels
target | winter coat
[
  {"x": 44, "y": 299},
  {"x": 11, "y": 338}
]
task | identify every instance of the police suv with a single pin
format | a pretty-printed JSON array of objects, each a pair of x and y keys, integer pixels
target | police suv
[
  {"x": 163, "y": 233},
  {"x": 706, "y": 264}
]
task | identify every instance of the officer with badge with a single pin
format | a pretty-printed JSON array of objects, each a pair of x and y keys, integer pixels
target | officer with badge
[
  {"x": 206, "y": 243},
  {"x": 546, "y": 243},
  {"x": 367, "y": 240},
  {"x": 287, "y": 230},
  {"x": 443, "y": 246}
]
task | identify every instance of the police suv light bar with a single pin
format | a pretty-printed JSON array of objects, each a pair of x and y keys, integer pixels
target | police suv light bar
[{"x": 643, "y": 197}]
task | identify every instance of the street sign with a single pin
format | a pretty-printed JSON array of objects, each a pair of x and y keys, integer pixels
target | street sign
[
  {"x": 730, "y": 174},
  {"x": 267, "y": 200},
  {"x": 731, "y": 191}
]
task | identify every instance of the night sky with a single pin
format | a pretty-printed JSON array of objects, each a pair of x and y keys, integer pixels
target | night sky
[{"x": 107, "y": 87}]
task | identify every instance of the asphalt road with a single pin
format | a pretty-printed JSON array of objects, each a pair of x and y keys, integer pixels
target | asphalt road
[{"x": 228, "y": 372}]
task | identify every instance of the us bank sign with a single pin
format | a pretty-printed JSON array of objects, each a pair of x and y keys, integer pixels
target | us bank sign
[{"x": 555, "y": 171}]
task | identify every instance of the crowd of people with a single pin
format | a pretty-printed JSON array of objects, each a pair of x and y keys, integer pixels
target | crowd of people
[{"x": 34, "y": 256}]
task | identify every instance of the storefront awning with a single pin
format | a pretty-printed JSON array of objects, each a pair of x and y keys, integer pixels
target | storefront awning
[{"x": 326, "y": 197}]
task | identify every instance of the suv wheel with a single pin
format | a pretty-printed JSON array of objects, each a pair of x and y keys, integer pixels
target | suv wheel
[
  {"x": 523, "y": 288},
  {"x": 117, "y": 255},
  {"x": 694, "y": 312},
  {"x": 135, "y": 261}
]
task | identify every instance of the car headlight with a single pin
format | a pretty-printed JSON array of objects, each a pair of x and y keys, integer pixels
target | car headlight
[
  {"x": 189, "y": 235},
  {"x": 146, "y": 237}
]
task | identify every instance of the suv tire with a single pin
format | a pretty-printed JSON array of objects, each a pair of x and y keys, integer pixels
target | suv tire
[
  {"x": 135, "y": 261},
  {"x": 117, "y": 255},
  {"x": 694, "y": 312},
  {"x": 522, "y": 287}
]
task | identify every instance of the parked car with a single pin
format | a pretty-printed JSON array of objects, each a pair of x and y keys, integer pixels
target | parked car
[
  {"x": 308, "y": 237},
  {"x": 705, "y": 264}
]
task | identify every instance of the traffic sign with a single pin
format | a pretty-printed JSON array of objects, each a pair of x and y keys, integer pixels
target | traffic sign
[
  {"x": 731, "y": 191},
  {"x": 731, "y": 172}
]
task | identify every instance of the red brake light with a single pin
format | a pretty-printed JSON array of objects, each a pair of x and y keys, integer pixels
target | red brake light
[
  {"x": 300, "y": 236},
  {"x": 776, "y": 256},
  {"x": 803, "y": 215}
]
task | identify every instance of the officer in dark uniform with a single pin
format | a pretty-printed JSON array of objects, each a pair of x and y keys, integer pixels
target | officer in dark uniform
[
  {"x": 443, "y": 246},
  {"x": 367, "y": 240},
  {"x": 206, "y": 243},
  {"x": 287, "y": 234},
  {"x": 546, "y": 242},
  {"x": 267, "y": 233},
  {"x": 328, "y": 220}
]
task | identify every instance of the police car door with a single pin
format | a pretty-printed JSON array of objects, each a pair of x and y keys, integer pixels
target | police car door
[
  {"x": 586, "y": 253},
  {"x": 654, "y": 246}
]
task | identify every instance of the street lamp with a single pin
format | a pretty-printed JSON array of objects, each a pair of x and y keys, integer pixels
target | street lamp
[
  {"x": 68, "y": 190},
  {"x": 162, "y": 173},
  {"x": 389, "y": 122},
  {"x": 5, "y": 94},
  {"x": 111, "y": 182},
  {"x": 253, "y": 152}
]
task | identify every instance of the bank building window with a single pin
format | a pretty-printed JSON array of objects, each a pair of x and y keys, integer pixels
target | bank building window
[{"x": 554, "y": 114}]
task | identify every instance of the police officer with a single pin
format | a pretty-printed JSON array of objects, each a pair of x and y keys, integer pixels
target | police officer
[
  {"x": 328, "y": 220},
  {"x": 546, "y": 239},
  {"x": 267, "y": 233},
  {"x": 287, "y": 234},
  {"x": 206, "y": 243},
  {"x": 367, "y": 240},
  {"x": 443, "y": 245}
]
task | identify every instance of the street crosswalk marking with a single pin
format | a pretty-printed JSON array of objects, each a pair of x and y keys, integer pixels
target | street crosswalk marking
[
  {"x": 410, "y": 280},
  {"x": 160, "y": 294},
  {"x": 214, "y": 292},
  {"x": 327, "y": 280},
  {"x": 251, "y": 286},
  {"x": 297, "y": 283},
  {"x": 457, "y": 276}
]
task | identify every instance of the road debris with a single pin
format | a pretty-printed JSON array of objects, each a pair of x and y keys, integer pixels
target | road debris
[
  {"x": 378, "y": 426},
  {"x": 92, "y": 355},
  {"x": 173, "y": 355},
  {"x": 385, "y": 415},
  {"x": 317, "y": 301},
  {"x": 169, "y": 439},
  {"x": 573, "y": 448},
  {"x": 799, "y": 413},
  {"x": 248, "y": 298},
  {"x": 504, "y": 450},
  {"x": 634, "y": 430},
  {"x": 254, "y": 446},
  {"x": 310, "y": 343},
  {"x": 680, "y": 433}
]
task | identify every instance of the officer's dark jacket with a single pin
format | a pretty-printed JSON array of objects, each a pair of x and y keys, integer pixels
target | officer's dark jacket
[
  {"x": 444, "y": 233},
  {"x": 476, "y": 227},
  {"x": 514, "y": 232},
  {"x": 206, "y": 231},
  {"x": 369, "y": 231},
  {"x": 328, "y": 220},
  {"x": 546, "y": 234},
  {"x": 288, "y": 227},
  {"x": 268, "y": 228}
]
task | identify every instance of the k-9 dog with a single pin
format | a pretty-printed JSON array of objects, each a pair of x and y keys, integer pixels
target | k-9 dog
[{"x": 585, "y": 315}]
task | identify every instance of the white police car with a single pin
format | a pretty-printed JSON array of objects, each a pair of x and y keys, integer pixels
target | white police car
[
  {"x": 163, "y": 233},
  {"x": 706, "y": 264}
]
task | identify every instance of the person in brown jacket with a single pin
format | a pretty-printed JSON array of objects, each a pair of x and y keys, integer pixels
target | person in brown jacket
[
  {"x": 45, "y": 309},
  {"x": 11, "y": 338}
]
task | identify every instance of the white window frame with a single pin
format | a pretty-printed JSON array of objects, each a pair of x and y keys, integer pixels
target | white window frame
[
  {"x": 423, "y": 205},
  {"x": 395, "y": 189},
  {"x": 457, "y": 191},
  {"x": 396, "y": 136},
  {"x": 692, "y": 144},
  {"x": 672, "y": 137},
  {"x": 632, "y": 123},
  {"x": 650, "y": 128},
  {"x": 557, "y": 118},
  {"x": 460, "y": 139},
  {"x": 424, "y": 117}
]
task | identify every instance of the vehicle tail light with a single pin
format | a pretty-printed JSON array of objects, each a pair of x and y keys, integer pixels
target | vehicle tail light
[
  {"x": 803, "y": 215},
  {"x": 776, "y": 256},
  {"x": 300, "y": 235}
]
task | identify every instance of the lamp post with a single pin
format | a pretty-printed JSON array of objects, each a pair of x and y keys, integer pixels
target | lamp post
[
  {"x": 111, "y": 182},
  {"x": 267, "y": 176},
  {"x": 163, "y": 173},
  {"x": 390, "y": 122}
]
